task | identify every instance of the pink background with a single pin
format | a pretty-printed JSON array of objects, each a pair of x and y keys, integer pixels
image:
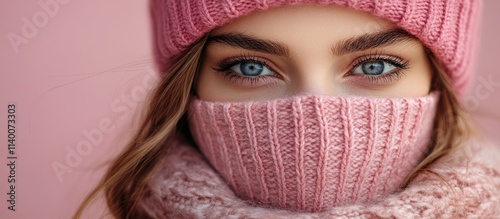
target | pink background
[{"x": 81, "y": 73}]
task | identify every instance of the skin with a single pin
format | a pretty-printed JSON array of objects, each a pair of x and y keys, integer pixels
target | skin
[{"x": 314, "y": 56}]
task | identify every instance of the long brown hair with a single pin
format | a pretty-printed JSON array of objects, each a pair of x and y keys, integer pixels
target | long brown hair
[
  {"x": 452, "y": 128},
  {"x": 129, "y": 173},
  {"x": 164, "y": 118}
]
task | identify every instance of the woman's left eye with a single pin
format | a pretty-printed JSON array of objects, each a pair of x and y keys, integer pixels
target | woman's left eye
[
  {"x": 374, "y": 68},
  {"x": 251, "y": 69}
]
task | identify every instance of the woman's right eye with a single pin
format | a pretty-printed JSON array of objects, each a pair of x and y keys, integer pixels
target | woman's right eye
[
  {"x": 247, "y": 71},
  {"x": 251, "y": 69}
]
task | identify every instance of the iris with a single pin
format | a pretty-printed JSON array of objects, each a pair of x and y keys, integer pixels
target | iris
[
  {"x": 251, "y": 68},
  {"x": 373, "y": 68}
]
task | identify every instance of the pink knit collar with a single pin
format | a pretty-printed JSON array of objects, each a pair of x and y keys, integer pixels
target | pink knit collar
[
  {"x": 468, "y": 186},
  {"x": 309, "y": 153}
]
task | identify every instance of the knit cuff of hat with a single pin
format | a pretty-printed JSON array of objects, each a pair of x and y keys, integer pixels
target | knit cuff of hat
[{"x": 307, "y": 153}]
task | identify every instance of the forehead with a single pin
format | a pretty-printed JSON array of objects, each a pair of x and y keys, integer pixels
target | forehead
[{"x": 306, "y": 23}]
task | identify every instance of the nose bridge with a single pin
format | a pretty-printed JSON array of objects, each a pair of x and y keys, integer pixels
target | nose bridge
[
  {"x": 315, "y": 81},
  {"x": 314, "y": 68}
]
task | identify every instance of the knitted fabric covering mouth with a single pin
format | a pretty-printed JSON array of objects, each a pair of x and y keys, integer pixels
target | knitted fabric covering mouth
[
  {"x": 447, "y": 27},
  {"x": 309, "y": 153}
]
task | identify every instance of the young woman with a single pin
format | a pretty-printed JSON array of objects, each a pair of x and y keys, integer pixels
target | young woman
[{"x": 313, "y": 109}]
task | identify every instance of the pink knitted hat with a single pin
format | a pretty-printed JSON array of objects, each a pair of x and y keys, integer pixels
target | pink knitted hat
[{"x": 447, "y": 27}]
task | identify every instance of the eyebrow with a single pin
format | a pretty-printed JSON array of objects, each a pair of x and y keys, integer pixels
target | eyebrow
[
  {"x": 360, "y": 43},
  {"x": 251, "y": 43},
  {"x": 372, "y": 40}
]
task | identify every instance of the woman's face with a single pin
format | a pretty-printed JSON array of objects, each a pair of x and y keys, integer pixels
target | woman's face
[{"x": 311, "y": 49}]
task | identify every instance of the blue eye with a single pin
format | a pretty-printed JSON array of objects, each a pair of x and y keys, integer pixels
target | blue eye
[
  {"x": 251, "y": 69},
  {"x": 374, "y": 68}
]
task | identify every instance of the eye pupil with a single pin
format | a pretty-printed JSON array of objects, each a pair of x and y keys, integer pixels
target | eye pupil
[
  {"x": 251, "y": 68},
  {"x": 373, "y": 68}
]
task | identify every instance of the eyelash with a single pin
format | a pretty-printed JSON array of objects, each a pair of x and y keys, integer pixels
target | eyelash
[
  {"x": 224, "y": 66},
  {"x": 395, "y": 75}
]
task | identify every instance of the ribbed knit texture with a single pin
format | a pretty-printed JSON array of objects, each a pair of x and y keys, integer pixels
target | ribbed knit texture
[
  {"x": 447, "y": 27},
  {"x": 468, "y": 186},
  {"x": 307, "y": 153}
]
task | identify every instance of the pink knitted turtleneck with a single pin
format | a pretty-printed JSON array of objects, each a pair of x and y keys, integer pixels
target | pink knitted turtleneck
[{"x": 308, "y": 153}]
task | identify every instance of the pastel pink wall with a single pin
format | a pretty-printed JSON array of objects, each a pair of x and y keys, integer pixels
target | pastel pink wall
[
  {"x": 484, "y": 97},
  {"x": 76, "y": 80},
  {"x": 78, "y": 76}
]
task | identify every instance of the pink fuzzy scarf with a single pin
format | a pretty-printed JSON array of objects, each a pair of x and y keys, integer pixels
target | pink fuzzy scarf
[{"x": 466, "y": 185}]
